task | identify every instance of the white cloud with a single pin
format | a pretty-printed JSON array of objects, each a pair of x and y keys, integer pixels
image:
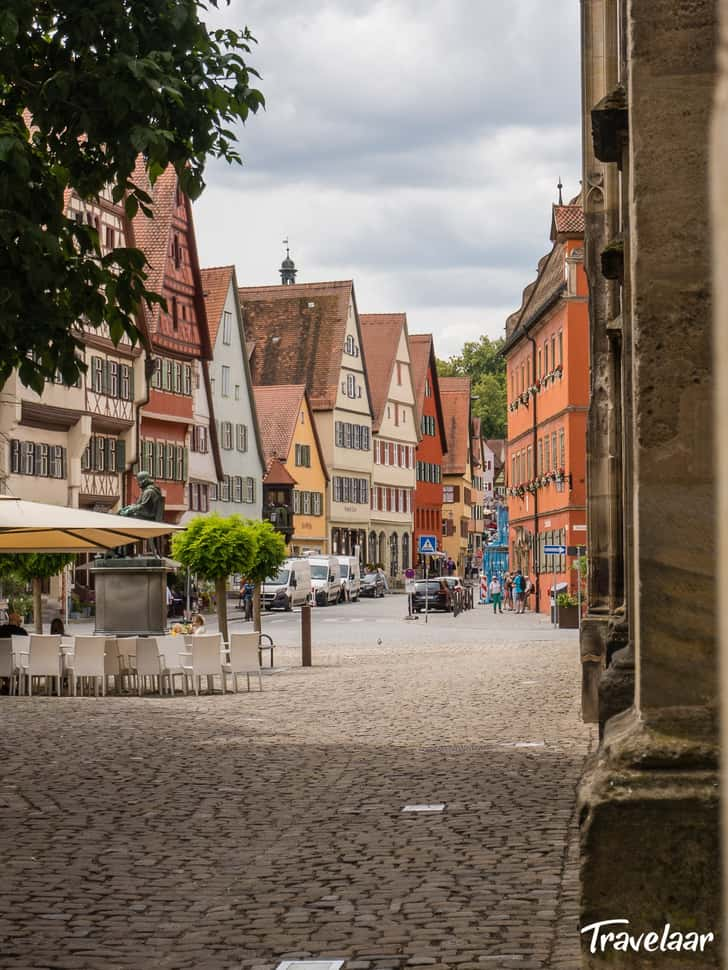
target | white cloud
[{"x": 412, "y": 147}]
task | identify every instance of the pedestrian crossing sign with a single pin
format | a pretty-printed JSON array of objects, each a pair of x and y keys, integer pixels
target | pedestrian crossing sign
[{"x": 427, "y": 545}]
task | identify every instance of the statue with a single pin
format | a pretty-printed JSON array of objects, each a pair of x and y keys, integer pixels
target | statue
[{"x": 150, "y": 506}]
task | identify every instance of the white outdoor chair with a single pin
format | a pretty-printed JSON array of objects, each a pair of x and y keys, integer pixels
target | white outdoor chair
[
  {"x": 112, "y": 664},
  {"x": 87, "y": 661},
  {"x": 148, "y": 664},
  {"x": 174, "y": 658},
  {"x": 8, "y": 668},
  {"x": 127, "y": 648},
  {"x": 244, "y": 658},
  {"x": 41, "y": 659},
  {"x": 206, "y": 660}
]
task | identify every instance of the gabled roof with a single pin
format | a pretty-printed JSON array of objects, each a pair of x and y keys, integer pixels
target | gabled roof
[
  {"x": 549, "y": 284},
  {"x": 381, "y": 333},
  {"x": 278, "y": 474},
  {"x": 422, "y": 355},
  {"x": 278, "y": 408},
  {"x": 567, "y": 220},
  {"x": 455, "y": 394},
  {"x": 498, "y": 447},
  {"x": 153, "y": 237},
  {"x": 298, "y": 333},
  {"x": 216, "y": 281}
]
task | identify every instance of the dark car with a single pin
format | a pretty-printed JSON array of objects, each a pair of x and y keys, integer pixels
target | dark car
[
  {"x": 372, "y": 584},
  {"x": 431, "y": 594}
]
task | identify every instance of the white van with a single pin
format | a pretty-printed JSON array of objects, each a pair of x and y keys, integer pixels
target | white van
[
  {"x": 350, "y": 577},
  {"x": 290, "y": 587},
  {"x": 325, "y": 579}
]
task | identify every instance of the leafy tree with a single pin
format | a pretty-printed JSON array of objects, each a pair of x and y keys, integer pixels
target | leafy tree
[
  {"x": 482, "y": 362},
  {"x": 105, "y": 84},
  {"x": 214, "y": 547},
  {"x": 270, "y": 553},
  {"x": 34, "y": 568}
]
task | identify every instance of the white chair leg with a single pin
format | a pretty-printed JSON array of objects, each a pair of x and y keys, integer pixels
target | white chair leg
[
  {"x": 58, "y": 685},
  {"x": 235, "y": 683},
  {"x": 103, "y": 686},
  {"x": 247, "y": 677},
  {"x": 260, "y": 680},
  {"x": 30, "y": 685},
  {"x": 196, "y": 684}
]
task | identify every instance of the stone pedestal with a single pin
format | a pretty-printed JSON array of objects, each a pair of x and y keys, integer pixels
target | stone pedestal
[{"x": 131, "y": 598}]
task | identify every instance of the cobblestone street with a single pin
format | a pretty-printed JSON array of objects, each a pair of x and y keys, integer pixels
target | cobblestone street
[{"x": 236, "y": 831}]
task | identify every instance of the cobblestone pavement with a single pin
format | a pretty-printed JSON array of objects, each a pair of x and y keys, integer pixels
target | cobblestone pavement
[{"x": 236, "y": 831}]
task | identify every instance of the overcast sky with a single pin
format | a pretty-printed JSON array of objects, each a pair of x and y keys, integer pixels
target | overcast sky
[{"x": 411, "y": 146}]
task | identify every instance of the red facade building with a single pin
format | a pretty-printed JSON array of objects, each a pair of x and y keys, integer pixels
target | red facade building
[
  {"x": 433, "y": 443},
  {"x": 179, "y": 335},
  {"x": 547, "y": 370}
]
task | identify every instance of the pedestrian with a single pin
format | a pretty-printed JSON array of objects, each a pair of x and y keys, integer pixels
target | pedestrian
[
  {"x": 198, "y": 625},
  {"x": 382, "y": 573},
  {"x": 57, "y": 627},
  {"x": 519, "y": 592},
  {"x": 170, "y": 601},
  {"x": 495, "y": 594},
  {"x": 248, "y": 590},
  {"x": 508, "y": 590},
  {"x": 528, "y": 590},
  {"x": 450, "y": 566}
]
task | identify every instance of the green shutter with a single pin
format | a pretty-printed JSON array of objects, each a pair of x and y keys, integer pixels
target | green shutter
[{"x": 120, "y": 455}]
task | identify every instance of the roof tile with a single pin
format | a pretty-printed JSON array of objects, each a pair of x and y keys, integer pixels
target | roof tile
[{"x": 380, "y": 334}]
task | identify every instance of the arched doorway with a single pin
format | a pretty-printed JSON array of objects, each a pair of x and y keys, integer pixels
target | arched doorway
[
  {"x": 405, "y": 551},
  {"x": 382, "y": 557},
  {"x": 372, "y": 553},
  {"x": 394, "y": 554}
]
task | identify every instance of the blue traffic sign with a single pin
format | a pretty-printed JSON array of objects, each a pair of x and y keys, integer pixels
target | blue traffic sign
[
  {"x": 554, "y": 550},
  {"x": 427, "y": 545}
]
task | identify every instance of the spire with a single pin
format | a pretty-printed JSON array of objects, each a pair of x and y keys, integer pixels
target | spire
[
  {"x": 560, "y": 187},
  {"x": 288, "y": 268}
]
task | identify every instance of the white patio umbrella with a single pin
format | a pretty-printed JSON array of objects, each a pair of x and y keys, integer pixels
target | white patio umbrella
[{"x": 34, "y": 527}]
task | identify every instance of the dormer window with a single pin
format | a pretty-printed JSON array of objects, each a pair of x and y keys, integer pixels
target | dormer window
[
  {"x": 350, "y": 346},
  {"x": 350, "y": 385}
]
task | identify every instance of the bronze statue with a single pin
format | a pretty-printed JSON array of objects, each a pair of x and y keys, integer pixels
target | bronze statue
[{"x": 150, "y": 506}]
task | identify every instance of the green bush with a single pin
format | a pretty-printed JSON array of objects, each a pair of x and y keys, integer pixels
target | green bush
[{"x": 566, "y": 599}]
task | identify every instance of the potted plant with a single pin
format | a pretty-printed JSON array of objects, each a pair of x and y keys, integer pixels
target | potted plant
[{"x": 568, "y": 611}]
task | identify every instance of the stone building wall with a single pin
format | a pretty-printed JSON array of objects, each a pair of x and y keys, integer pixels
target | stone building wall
[{"x": 648, "y": 804}]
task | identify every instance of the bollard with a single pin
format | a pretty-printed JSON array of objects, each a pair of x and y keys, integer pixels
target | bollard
[{"x": 306, "y": 635}]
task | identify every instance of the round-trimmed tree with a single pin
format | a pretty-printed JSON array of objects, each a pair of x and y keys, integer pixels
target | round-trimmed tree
[
  {"x": 214, "y": 547},
  {"x": 33, "y": 568},
  {"x": 270, "y": 553}
]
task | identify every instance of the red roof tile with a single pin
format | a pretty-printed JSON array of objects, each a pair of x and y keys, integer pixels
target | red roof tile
[
  {"x": 215, "y": 284},
  {"x": 455, "y": 395},
  {"x": 568, "y": 220},
  {"x": 380, "y": 334},
  {"x": 278, "y": 474},
  {"x": 297, "y": 333},
  {"x": 278, "y": 409}
]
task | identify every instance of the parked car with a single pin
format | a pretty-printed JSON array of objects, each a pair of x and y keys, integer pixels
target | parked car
[
  {"x": 350, "y": 574},
  {"x": 325, "y": 579},
  {"x": 290, "y": 587},
  {"x": 454, "y": 582},
  {"x": 372, "y": 584},
  {"x": 431, "y": 594}
]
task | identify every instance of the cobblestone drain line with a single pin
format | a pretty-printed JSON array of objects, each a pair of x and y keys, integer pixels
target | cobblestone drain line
[{"x": 236, "y": 832}]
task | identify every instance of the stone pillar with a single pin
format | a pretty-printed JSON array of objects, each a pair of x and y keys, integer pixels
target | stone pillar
[
  {"x": 649, "y": 806},
  {"x": 719, "y": 188},
  {"x": 601, "y": 202}
]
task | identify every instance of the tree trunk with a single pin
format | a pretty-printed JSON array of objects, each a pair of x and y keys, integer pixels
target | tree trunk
[
  {"x": 37, "y": 605},
  {"x": 221, "y": 598},
  {"x": 256, "y": 609}
]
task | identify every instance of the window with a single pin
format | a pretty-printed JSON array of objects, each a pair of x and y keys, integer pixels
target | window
[
  {"x": 316, "y": 503},
  {"x": 428, "y": 387},
  {"x": 562, "y": 449},
  {"x": 156, "y": 378},
  {"x": 57, "y": 461},
  {"x": 237, "y": 488},
  {"x": 546, "y": 356},
  {"x": 561, "y": 348},
  {"x": 338, "y": 489},
  {"x": 226, "y": 434},
  {"x": 540, "y": 364},
  {"x": 546, "y": 454},
  {"x": 241, "y": 437},
  {"x": 553, "y": 450},
  {"x": 225, "y": 489},
  {"x": 539, "y": 467},
  {"x": 448, "y": 493},
  {"x": 180, "y": 464},
  {"x": 306, "y": 503},
  {"x": 194, "y": 499},
  {"x": 177, "y": 378},
  {"x": 296, "y": 502},
  {"x": 356, "y": 436},
  {"x": 175, "y": 313},
  {"x": 225, "y": 381},
  {"x": 187, "y": 379},
  {"x": 42, "y": 456},
  {"x": 553, "y": 351},
  {"x": 167, "y": 373},
  {"x": 97, "y": 375},
  {"x": 350, "y": 385},
  {"x": 399, "y": 373},
  {"x": 227, "y": 326},
  {"x": 347, "y": 435},
  {"x": 303, "y": 456},
  {"x": 113, "y": 378},
  {"x": 350, "y": 346},
  {"x": 176, "y": 251},
  {"x": 237, "y": 392},
  {"x": 249, "y": 489},
  {"x": 170, "y": 463}
]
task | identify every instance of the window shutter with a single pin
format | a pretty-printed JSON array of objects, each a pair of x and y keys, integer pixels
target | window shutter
[
  {"x": 36, "y": 462},
  {"x": 15, "y": 456},
  {"x": 120, "y": 455},
  {"x": 62, "y": 461},
  {"x": 456, "y": 493}
]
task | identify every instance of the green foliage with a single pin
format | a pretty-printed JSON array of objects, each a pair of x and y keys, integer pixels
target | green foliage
[
  {"x": 270, "y": 552},
  {"x": 104, "y": 83},
  {"x": 566, "y": 599},
  {"x": 481, "y": 362},
  {"x": 214, "y": 547},
  {"x": 28, "y": 567}
]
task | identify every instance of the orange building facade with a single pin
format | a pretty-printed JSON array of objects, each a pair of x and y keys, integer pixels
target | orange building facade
[{"x": 547, "y": 372}]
